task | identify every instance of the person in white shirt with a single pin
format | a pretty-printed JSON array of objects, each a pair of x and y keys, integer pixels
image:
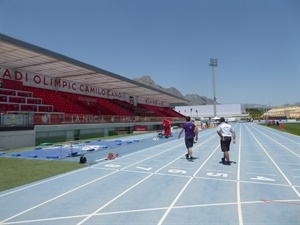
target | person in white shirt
[{"x": 226, "y": 133}]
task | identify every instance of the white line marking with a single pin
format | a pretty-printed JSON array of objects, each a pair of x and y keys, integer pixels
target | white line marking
[
  {"x": 100, "y": 159},
  {"x": 262, "y": 178},
  {"x": 41, "y": 182},
  {"x": 174, "y": 201},
  {"x": 103, "y": 206},
  {"x": 143, "y": 168},
  {"x": 278, "y": 143},
  {"x": 275, "y": 164},
  {"x": 75, "y": 171},
  {"x": 238, "y": 184},
  {"x": 52, "y": 199},
  {"x": 179, "y": 206},
  {"x": 212, "y": 174},
  {"x": 59, "y": 196},
  {"x": 183, "y": 189},
  {"x": 262, "y": 174},
  {"x": 124, "y": 192},
  {"x": 177, "y": 171},
  {"x": 296, "y": 201}
]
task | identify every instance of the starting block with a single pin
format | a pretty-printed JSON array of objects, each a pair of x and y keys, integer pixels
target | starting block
[{"x": 112, "y": 156}]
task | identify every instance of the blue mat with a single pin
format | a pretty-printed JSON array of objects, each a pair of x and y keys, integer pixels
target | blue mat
[{"x": 66, "y": 150}]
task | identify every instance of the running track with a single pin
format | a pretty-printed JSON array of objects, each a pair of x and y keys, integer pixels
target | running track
[{"x": 152, "y": 183}]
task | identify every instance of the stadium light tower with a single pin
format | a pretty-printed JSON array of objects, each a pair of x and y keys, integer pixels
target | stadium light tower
[{"x": 214, "y": 63}]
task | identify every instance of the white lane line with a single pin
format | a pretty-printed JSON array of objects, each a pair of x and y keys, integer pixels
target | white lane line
[
  {"x": 173, "y": 203},
  {"x": 118, "y": 196},
  {"x": 59, "y": 196},
  {"x": 275, "y": 164},
  {"x": 261, "y": 178},
  {"x": 278, "y": 134},
  {"x": 283, "y": 201},
  {"x": 124, "y": 192},
  {"x": 278, "y": 143},
  {"x": 100, "y": 159},
  {"x": 183, "y": 189},
  {"x": 262, "y": 174},
  {"x": 72, "y": 172},
  {"x": 44, "y": 181},
  {"x": 238, "y": 183},
  {"x": 144, "y": 168},
  {"x": 72, "y": 190}
]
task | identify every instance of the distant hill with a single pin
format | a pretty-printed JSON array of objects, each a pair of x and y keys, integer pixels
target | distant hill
[{"x": 195, "y": 99}]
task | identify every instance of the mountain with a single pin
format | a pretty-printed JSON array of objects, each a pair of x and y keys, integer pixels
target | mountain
[{"x": 193, "y": 99}]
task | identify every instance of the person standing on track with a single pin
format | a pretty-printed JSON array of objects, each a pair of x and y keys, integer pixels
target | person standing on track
[
  {"x": 226, "y": 133},
  {"x": 191, "y": 131}
]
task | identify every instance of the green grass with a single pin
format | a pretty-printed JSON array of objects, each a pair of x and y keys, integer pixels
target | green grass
[
  {"x": 292, "y": 128},
  {"x": 16, "y": 172}
]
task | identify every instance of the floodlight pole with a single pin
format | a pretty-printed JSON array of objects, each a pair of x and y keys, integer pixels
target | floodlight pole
[{"x": 214, "y": 63}]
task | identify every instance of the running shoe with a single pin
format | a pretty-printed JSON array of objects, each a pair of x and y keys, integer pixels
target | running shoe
[{"x": 187, "y": 156}]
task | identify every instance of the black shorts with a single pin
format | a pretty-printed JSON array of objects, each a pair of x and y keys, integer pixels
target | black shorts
[
  {"x": 225, "y": 145},
  {"x": 189, "y": 142}
]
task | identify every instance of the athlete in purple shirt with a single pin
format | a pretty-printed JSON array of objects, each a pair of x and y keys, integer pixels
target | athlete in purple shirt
[{"x": 191, "y": 130}]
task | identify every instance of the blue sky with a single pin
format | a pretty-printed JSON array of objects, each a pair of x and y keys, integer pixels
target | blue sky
[{"x": 256, "y": 42}]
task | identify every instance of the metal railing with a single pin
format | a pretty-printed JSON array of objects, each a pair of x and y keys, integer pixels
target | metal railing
[{"x": 50, "y": 118}]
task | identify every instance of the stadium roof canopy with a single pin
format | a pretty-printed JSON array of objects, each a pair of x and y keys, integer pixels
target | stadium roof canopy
[{"x": 17, "y": 54}]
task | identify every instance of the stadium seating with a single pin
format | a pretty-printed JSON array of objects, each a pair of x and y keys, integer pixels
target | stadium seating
[{"x": 43, "y": 100}]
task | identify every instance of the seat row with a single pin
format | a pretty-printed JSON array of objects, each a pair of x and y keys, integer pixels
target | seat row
[{"x": 43, "y": 100}]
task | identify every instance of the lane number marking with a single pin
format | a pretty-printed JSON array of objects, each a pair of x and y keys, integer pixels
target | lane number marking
[
  {"x": 143, "y": 168},
  {"x": 177, "y": 171},
  {"x": 262, "y": 178},
  {"x": 212, "y": 174}
]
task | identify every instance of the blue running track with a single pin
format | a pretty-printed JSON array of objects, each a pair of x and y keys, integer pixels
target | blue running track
[{"x": 151, "y": 183}]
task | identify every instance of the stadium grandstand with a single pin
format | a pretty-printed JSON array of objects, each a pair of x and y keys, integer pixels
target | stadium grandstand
[
  {"x": 283, "y": 113},
  {"x": 48, "y": 97}
]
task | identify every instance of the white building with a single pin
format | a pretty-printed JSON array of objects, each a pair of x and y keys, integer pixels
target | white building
[{"x": 207, "y": 111}]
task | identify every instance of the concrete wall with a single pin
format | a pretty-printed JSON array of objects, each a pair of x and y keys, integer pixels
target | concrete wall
[
  {"x": 17, "y": 139},
  {"x": 63, "y": 133}
]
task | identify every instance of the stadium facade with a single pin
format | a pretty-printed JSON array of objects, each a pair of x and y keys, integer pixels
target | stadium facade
[{"x": 48, "y": 97}]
